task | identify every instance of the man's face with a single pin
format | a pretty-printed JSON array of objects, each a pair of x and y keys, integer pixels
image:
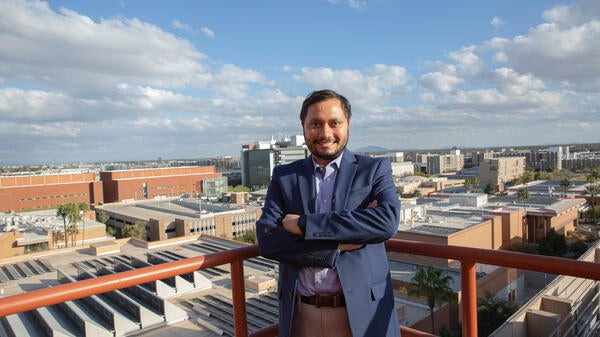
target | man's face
[{"x": 326, "y": 130}]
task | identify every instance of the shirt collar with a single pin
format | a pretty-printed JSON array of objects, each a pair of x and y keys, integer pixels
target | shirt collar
[{"x": 335, "y": 164}]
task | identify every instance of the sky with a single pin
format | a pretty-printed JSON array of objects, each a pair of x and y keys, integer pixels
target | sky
[{"x": 120, "y": 80}]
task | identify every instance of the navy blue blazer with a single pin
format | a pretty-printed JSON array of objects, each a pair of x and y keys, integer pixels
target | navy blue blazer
[{"x": 364, "y": 273}]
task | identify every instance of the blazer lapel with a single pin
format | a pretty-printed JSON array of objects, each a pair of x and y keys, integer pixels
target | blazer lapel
[
  {"x": 306, "y": 185},
  {"x": 344, "y": 179}
]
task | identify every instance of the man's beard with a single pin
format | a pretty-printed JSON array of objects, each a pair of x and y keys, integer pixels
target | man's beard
[{"x": 327, "y": 156}]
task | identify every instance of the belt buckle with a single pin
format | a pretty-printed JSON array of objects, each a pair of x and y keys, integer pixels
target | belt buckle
[{"x": 318, "y": 300}]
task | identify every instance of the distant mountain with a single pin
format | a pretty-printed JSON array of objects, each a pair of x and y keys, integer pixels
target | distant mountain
[{"x": 372, "y": 149}]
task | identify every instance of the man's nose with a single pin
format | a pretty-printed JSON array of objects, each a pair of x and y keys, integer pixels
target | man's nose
[{"x": 326, "y": 131}]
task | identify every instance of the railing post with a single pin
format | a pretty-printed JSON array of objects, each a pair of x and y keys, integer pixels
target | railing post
[
  {"x": 238, "y": 295},
  {"x": 469, "y": 298}
]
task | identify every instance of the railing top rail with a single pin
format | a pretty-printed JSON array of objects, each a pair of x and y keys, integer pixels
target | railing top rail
[
  {"x": 552, "y": 265},
  {"x": 71, "y": 291},
  {"x": 66, "y": 292}
]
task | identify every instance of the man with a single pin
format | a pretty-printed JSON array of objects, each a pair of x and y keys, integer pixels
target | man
[{"x": 325, "y": 219}]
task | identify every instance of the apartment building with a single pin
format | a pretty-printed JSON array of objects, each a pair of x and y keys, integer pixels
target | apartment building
[
  {"x": 499, "y": 171},
  {"x": 541, "y": 159},
  {"x": 440, "y": 163},
  {"x": 258, "y": 160}
]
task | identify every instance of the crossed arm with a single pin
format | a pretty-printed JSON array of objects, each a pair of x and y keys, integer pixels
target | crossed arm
[
  {"x": 290, "y": 224},
  {"x": 327, "y": 234}
]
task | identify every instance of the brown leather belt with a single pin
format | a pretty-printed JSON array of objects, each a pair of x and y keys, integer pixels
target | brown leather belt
[{"x": 320, "y": 300}]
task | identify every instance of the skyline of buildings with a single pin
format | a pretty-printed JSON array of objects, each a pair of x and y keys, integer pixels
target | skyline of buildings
[{"x": 227, "y": 160}]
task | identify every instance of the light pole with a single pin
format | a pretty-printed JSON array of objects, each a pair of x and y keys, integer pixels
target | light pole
[{"x": 83, "y": 228}]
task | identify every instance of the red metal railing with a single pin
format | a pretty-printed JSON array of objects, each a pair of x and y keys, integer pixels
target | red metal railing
[{"x": 467, "y": 256}]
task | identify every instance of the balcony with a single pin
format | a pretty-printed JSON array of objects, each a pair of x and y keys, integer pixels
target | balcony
[{"x": 468, "y": 258}]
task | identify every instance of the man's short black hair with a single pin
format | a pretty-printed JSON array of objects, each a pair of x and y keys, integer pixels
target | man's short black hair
[{"x": 322, "y": 95}]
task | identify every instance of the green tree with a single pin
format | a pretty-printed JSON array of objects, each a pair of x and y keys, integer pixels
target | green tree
[
  {"x": 447, "y": 332},
  {"x": 110, "y": 230},
  {"x": 492, "y": 312},
  {"x": 414, "y": 194},
  {"x": 434, "y": 285},
  {"x": 578, "y": 248},
  {"x": 471, "y": 183},
  {"x": 565, "y": 183},
  {"x": 71, "y": 213},
  {"x": 553, "y": 244},
  {"x": 239, "y": 188},
  {"x": 249, "y": 237},
  {"x": 491, "y": 188},
  {"x": 524, "y": 196},
  {"x": 594, "y": 176},
  {"x": 541, "y": 175},
  {"x": 103, "y": 217},
  {"x": 593, "y": 189},
  {"x": 137, "y": 230},
  {"x": 76, "y": 211},
  {"x": 63, "y": 212}
]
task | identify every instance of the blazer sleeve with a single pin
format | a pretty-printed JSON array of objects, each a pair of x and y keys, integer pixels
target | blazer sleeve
[
  {"x": 357, "y": 223},
  {"x": 276, "y": 243}
]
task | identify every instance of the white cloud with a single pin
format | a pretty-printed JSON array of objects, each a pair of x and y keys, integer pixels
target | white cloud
[
  {"x": 127, "y": 89},
  {"x": 372, "y": 86},
  {"x": 509, "y": 82},
  {"x": 573, "y": 15},
  {"x": 356, "y": 4},
  {"x": 68, "y": 51},
  {"x": 468, "y": 63},
  {"x": 208, "y": 32},
  {"x": 440, "y": 81},
  {"x": 564, "y": 50},
  {"x": 180, "y": 25},
  {"x": 496, "y": 22}
]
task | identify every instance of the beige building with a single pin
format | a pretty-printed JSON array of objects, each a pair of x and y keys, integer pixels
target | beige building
[
  {"x": 499, "y": 171},
  {"x": 178, "y": 217},
  {"x": 565, "y": 305},
  {"x": 400, "y": 169},
  {"x": 466, "y": 220},
  {"x": 444, "y": 163},
  {"x": 39, "y": 231}
]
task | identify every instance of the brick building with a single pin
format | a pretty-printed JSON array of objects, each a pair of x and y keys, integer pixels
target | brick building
[
  {"x": 150, "y": 183},
  {"x": 43, "y": 191}
]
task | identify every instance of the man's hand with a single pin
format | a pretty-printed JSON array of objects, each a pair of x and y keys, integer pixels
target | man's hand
[
  {"x": 290, "y": 224},
  {"x": 351, "y": 246}
]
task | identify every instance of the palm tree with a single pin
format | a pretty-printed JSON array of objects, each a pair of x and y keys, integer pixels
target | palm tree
[
  {"x": 63, "y": 212},
  {"x": 492, "y": 312},
  {"x": 565, "y": 183},
  {"x": 471, "y": 183},
  {"x": 76, "y": 211},
  {"x": 524, "y": 195},
  {"x": 593, "y": 191},
  {"x": 82, "y": 207},
  {"x": 594, "y": 177},
  {"x": 430, "y": 282}
]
